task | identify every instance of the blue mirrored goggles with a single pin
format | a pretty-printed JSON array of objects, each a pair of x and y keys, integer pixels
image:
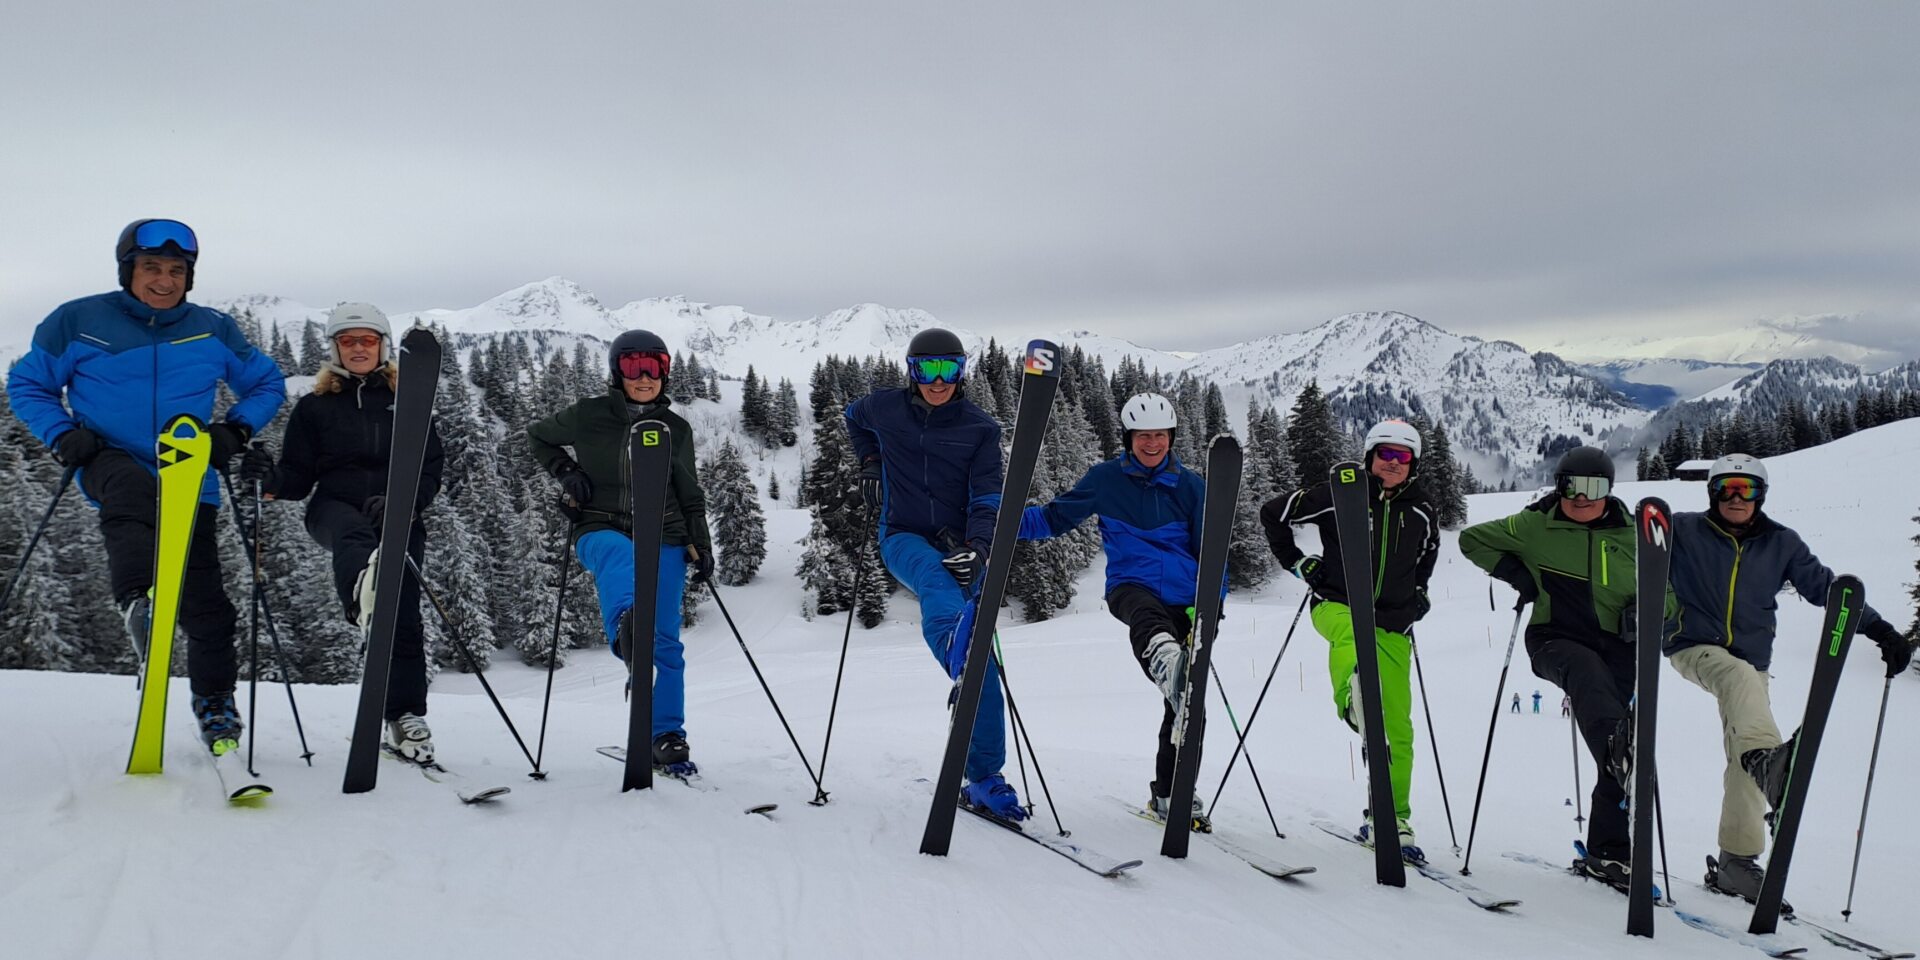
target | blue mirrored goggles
[
  {"x": 153, "y": 235},
  {"x": 926, "y": 370}
]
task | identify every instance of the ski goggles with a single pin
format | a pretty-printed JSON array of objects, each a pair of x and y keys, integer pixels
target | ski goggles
[
  {"x": 151, "y": 236},
  {"x": 651, "y": 364},
  {"x": 348, "y": 341},
  {"x": 926, "y": 370},
  {"x": 1393, "y": 456},
  {"x": 1593, "y": 488},
  {"x": 1737, "y": 488}
]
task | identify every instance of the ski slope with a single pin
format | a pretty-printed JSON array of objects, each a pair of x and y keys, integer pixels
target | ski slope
[{"x": 99, "y": 864}]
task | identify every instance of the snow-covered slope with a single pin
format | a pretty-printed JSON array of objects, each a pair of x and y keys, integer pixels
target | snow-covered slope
[
  {"x": 1765, "y": 339},
  {"x": 104, "y": 865},
  {"x": 1658, "y": 383}
]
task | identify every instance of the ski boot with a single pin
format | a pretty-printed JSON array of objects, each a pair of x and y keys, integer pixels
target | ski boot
[
  {"x": 957, "y": 642},
  {"x": 220, "y": 724},
  {"x": 1157, "y": 805},
  {"x": 1167, "y": 663},
  {"x": 1409, "y": 847},
  {"x": 1355, "y": 716},
  {"x": 994, "y": 796},
  {"x": 411, "y": 740},
  {"x": 672, "y": 756},
  {"x": 1619, "y": 758},
  {"x": 1738, "y": 876},
  {"x": 1769, "y": 766},
  {"x": 1614, "y": 873},
  {"x": 138, "y": 615},
  {"x": 363, "y": 589}
]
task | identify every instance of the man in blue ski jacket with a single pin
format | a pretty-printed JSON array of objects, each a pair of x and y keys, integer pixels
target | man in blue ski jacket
[
  {"x": 930, "y": 465},
  {"x": 104, "y": 375},
  {"x": 1729, "y": 564},
  {"x": 1149, "y": 507}
]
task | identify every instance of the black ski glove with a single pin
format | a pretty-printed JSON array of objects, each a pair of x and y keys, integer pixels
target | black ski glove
[
  {"x": 702, "y": 564},
  {"x": 1630, "y": 622},
  {"x": 1894, "y": 648},
  {"x": 964, "y": 564},
  {"x": 256, "y": 466},
  {"x": 229, "y": 437},
  {"x": 1309, "y": 570},
  {"x": 1511, "y": 571},
  {"x": 870, "y": 490},
  {"x": 77, "y": 447},
  {"x": 375, "y": 509},
  {"x": 574, "y": 483},
  {"x": 1420, "y": 604}
]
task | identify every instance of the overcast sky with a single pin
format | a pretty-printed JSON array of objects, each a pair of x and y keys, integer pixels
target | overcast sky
[{"x": 1183, "y": 174}]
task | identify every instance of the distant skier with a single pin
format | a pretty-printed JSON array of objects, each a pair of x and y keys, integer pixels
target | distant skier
[
  {"x": 930, "y": 465},
  {"x": 1515, "y": 708},
  {"x": 1571, "y": 555},
  {"x": 1536, "y": 701},
  {"x": 1728, "y": 566},
  {"x": 1403, "y": 560},
  {"x": 1566, "y": 706},
  {"x": 336, "y": 446},
  {"x": 104, "y": 375},
  {"x": 594, "y": 482},
  {"x": 1149, "y": 506}
]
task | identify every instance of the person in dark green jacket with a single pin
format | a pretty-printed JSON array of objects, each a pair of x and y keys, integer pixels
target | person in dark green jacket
[
  {"x": 1571, "y": 555},
  {"x": 594, "y": 481}
]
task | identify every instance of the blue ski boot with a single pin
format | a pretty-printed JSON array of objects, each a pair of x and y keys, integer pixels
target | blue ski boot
[
  {"x": 959, "y": 639},
  {"x": 1409, "y": 849},
  {"x": 996, "y": 796},
  {"x": 220, "y": 724}
]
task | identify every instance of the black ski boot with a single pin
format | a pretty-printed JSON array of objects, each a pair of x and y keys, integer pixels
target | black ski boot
[
  {"x": 220, "y": 724},
  {"x": 1769, "y": 766},
  {"x": 671, "y": 754},
  {"x": 625, "y": 638},
  {"x": 137, "y": 612},
  {"x": 1738, "y": 876},
  {"x": 1613, "y": 873},
  {"x": 1620, "y": 753},
  {"x": 1157, "y": 805}
]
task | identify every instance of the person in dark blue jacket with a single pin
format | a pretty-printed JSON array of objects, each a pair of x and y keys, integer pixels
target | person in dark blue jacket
[
  {"x": 104, "y": 374},
  {"x": 1149, "y": 507},
  {"x": 1728, "y": 567},
  {"x": 930, "y": 465}
]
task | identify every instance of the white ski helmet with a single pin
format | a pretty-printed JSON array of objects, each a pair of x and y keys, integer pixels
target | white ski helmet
[
  {"x": 1739, "y": 465},
  {"x": 1397, "y": 432},
  {"x": 358, "y": 316},
  {"x": 1146, "y": 411}
]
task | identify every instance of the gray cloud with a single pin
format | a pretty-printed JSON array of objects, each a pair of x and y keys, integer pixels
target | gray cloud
[{"x": 1183, "y": 175}]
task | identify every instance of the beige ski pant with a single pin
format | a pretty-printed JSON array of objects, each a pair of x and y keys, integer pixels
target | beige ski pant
[{"x": 1746, "y": 723}]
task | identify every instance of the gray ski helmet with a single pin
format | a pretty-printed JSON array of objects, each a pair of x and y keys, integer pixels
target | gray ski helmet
[
  {"x": 1739, "y": 465},
  {"x": 634, "y": 340},
  {"x": 935, "y": 342},
  {"x": 358, "y": 316},
  {"x": 156, "y": 237}
]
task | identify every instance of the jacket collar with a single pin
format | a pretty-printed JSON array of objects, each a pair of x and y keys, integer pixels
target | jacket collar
[
  {"x": 132, "y": 307},
  {"x": 1167, "y": 474},
  {"x": 1761, "y": 525}
]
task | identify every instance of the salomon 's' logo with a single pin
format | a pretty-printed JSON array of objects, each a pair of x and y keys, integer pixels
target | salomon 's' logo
[
  {"x": 650, "y": 438},
  {"x": 1039, "y": 359},
  {"x": 1347, "y": 475}
]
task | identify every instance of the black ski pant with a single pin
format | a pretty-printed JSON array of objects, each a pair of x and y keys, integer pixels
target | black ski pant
[
  {"x": 352, "y": 538},
  {"x": 1146, "y": 615},
  {"x": 129, "y": 499},
  {"x": 1600, "y": 681}
]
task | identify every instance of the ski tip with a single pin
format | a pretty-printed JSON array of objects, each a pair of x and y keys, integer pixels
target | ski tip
[
  {"x": 250, "y": 794},
  {"x": 485, "y": 796}
]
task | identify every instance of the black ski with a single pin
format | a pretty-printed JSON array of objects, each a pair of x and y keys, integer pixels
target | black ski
[
  {"x": 1040, "y": 382},
  {"x": 1652, "y": 552},
  {"x": 650, "y": 467},
  {"x": 445, "y": 777},
  {"x": 1353, "y": 518},
  {"x": 1846, "y": 597},
  {"x": 687, "y": 773},
  {"x": 419, "y": 371},
  {"x": 1189, "y": 731},
  {"x": 1452, "y": 881}
]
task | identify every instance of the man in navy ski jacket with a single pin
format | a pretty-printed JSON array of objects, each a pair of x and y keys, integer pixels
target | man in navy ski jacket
[
  {"x": 930, "y": 466},
  {"x": 104, "y": 375}
]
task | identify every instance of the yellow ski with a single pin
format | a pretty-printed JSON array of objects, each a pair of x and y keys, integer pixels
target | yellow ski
[{"x": 183, "y": 449}]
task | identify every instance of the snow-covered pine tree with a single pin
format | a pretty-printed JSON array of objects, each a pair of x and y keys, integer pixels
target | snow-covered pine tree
[
  {"x": 281, "y": 350},
  {"x": 1216, "y": 411},
  {"x": 1267, "y": 442},
  {"x": 755, "y": 413},
  {"x": 1640, "y": 461},
  {"x": 680, "y": 388},
  {"x": 1312, "y": 442},
  {"x": 740, "y": 529},
  {"x": 773, "y": 487},
  {"x": 33, "y": 619},
  {"x": 786, "y": 415},
  {"x": 1103, "y": 417},
  {"x": 1440, "y": 475},
  {"x": 1044, "y": 572},
  {"x": 823, "y": 572},
  {"x": 1657, "y": 468},
  {"x": 313, "y": 348},
  {"x": 1249, "y": 561}
]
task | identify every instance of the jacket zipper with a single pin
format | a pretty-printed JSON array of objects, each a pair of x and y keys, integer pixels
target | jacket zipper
[
  {"x": 1732, "y": 579},
  {"x": 1380, "y": 569},
  {"x": 1603, "y": 563}
]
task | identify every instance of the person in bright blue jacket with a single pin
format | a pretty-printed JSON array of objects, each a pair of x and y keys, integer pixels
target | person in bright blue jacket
[
  {"x": 1149, "y": 507},
  {"x": 104, "y": 375},
  {"x": 930, "y": 466}
]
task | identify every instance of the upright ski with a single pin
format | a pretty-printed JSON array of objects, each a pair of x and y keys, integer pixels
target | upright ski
[
  {"x": 1353, "y": 517},
  {"x": 1189, "y": 731},
  {"x": 1846, "y": 597},
  {"x": 419, "y": 372},
  {"x": 1653, "y": 550},
  {"x": 183, "y": 450},
  {"x": 649, "y": 470},
  {"x": 1039, "y": 383}
]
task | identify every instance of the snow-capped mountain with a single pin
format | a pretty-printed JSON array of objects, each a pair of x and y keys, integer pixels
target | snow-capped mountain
[
  {"x": 1766, "y": 391},
  {"x": 1772, "y": 338},
  {"x": 1661, "y": 382}
]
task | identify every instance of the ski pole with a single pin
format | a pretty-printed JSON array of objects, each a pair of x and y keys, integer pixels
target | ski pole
[
  {"x": 1860, "y": 833},
  {"x": 553, "y": 652},
  {"x": 253, "y": 631},
  {"x": 820, "y": 792},
  {"x": 802, "y": 754},
  {"x": 472, "y": 664},
  {"x": 1257, "y": 703},
  {"x": 20, "y": 572},
  {"x": 1473, "y": 824},
  {"x": 1573, "y": 741},
  {"x": 1660, "y": 830},
  {"x": 1257, "y": 785},
  {"x": 1020, "y": 730},
  {"x": 1432, "y": 740},
  {"x": 266, "y": 615}
]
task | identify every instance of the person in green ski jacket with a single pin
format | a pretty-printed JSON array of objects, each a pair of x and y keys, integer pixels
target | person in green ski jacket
[
  {"x": 1571, "y": 555},
  {"x": 593, "y": 479},
  {"x": 1403, "y": 562}
]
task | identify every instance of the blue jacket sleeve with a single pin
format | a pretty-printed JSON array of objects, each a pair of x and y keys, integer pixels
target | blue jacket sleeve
[
  {"x": 1811, "y": 578},
  {"x": 983, "y": 489},
  {"x": 866, "y": 442},
  {"x": 254, "y": 378},
  {"x": 35, "y": 383},
  {"x": 1064, "y": 513}
]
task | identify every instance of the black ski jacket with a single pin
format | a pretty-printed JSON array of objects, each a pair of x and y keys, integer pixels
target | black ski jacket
[
  {"x": 337, "y": 444},
  {"x": 596, "y": 429},
  {"x": 1406, "y": 548}
]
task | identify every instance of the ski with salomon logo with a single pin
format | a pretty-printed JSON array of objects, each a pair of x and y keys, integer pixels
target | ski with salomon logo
[{"x": 1353, "y": 518}]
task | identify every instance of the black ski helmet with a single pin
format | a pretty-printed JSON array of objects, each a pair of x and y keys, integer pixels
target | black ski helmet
[
  {"x": 935, "y": 342},
  {"x": 644, "y": 341},
  {"x": 170, "y": 238},
  {"x": 1583, "y": 462}
]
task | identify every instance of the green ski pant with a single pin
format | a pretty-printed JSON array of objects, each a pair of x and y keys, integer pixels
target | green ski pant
[{"x": 1335, "y": 622}]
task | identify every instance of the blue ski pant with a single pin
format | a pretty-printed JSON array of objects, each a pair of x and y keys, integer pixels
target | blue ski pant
[
  {"x": 916, "y": 564},
  {"x": 608, "y": 555}
]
